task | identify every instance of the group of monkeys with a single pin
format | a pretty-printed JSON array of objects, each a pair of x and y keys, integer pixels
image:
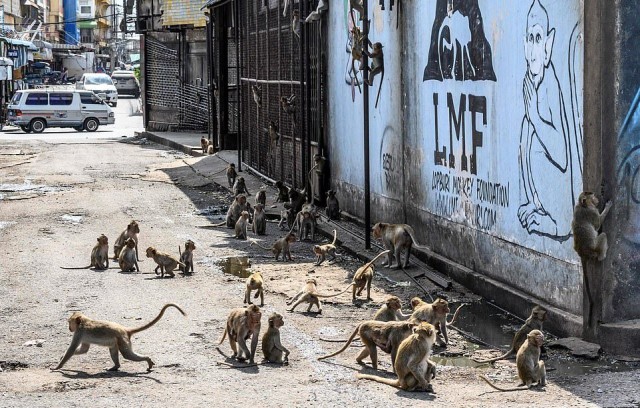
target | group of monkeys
[{"x": 408, "y": 338}]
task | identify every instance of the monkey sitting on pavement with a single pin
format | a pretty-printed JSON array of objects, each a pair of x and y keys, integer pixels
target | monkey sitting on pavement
[
  {"x": 309, "y": 294},
  {"x": 282, "y": 245},
  {"x": 236, "y": 208},
  {"x": 259, "y": 225},
  {"x": 531, "y": 369},
  {"x": 127, "y": 260},
  {"x": 333, "y": 206},
  {"x": 186, "y": 257},
  {"x": 241, "y": 225},
  {"x": 261, "y": 197},
  {"x": 99, "y": 255},
  {"x": 412, "y": 364},
  {"x": 132, "y": 231},
  {"x": 166, "y": 263},
  {"x": 321, "y": 251},
  {"x": 87, "y": 331},
  {"x": 239, "y": 187}
]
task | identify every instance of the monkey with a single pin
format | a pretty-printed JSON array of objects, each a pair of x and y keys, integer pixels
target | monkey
[
  {"x": 259, "y": 225},
  {"x": 283, "y": 218},
  {"x": 271, "y": 346},
  {"x": 364, "y": 276},
  {"x": 166, "y": 263},
  {"x": 434, "y": 313},
  {"x": 391, "y": 310},
  {"x": 87, "y": 331},
  {"x": 211, "y": 149},
  {"x": 127, "y": 260},
  {"x": 231, "y": 174},
  {"x": 132, "y": 231},
  {"x": 587, "y": 221},
  {"x": 296, "y": 201},
  {"x": 288, "y": 104},
  {"x": 282, "y": 245},
  {"x": 530, "y": 368},
  {"x": 322, "y": 251},
  {"x": 243, "y": 323},
  {"x": 254, "y": 282},
  {"x": 386, "y": 335},
  {"x": 395, "y": 237},
  {"x": 204, "y": 143},
  {"x": 239, "y": 187},
  {"x": 99, "y": 255},
  {"x": 295, "y": 23},
  {"x": 333, "y": 206},
  {"x": 186, "y": 257},
  {"x": 274, "y": 136},
  {"x": 255, "y": 89},
  {"x": 283, "y": 192},
  {"x": 533, "y": 322},
  {"x": 309, "y": 294},
  {"x": 412, "y": 364},
  {"x": 377, "y": 67},
  {"x": 238, "y": 205},
  {"x": 261, "y": 197},
  {"x": 241, "y": 225},
  {"x": 356, "y": 53},
  {"x": 306, "y": 220}
]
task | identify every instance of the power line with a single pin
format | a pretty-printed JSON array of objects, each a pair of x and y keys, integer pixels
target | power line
[{"x": 79, "y": 20}]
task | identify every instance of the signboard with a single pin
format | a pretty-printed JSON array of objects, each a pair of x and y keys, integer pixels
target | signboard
[{"x": 12, "y": 53}]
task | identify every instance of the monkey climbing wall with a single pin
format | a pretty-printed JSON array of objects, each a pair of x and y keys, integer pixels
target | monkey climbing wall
[{"x": 277, "y": 62}]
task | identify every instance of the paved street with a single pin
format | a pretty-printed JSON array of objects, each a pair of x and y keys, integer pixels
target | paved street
[{"x": 61, "y": 189}]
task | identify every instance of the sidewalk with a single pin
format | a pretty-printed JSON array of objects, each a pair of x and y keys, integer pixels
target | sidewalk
[{"x": 430, "y": 271}]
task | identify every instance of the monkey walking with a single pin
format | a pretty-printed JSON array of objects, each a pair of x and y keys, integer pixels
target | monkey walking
[
  {"x": 587, "y": 221},
  {"x": 435, "y": 313},
  {"x": 99, "y": 255},
  {"x": 309, "y": 294},
  {"x": 364, "y": 276},
  {"x": 166, "y": 263},
  {"x": 204, "y": 144},
  {"x": 242, "y": 324},
  {"x": 231, "y": 174},
  {"x": 321, "y": 251},
  {"x": 282, "y": 245},
  {"x": 87, "y": 331},
  {"x": 396, "y": 237},
  {"x": 531, "y": 369}
]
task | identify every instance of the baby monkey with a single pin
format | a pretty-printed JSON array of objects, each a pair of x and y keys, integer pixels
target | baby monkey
[
  {"x": 240, "y": 187},
  {"x": 127, "y": 258},
  {"x": 166, "y": 263},
  {"x": 364, "y": 276},
  {"x": 283, "y": 245},
  {"x": 99, "y": 255},
  {"x": 204, "y": 144},
  {"x": 322, "y": 251},
  {"x": 241, "y": 225},
  {"x": 231, "y": 174},
  {"x": 254, "y": 282},
  {"x": 186, "y": 257},
  {"x": 309, "y": 294}
]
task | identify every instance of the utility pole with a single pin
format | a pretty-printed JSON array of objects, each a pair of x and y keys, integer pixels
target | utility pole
[{"x": 365, "y": 95}]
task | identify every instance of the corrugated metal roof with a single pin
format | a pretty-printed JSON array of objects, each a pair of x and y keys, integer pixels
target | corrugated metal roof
[{"x": 180, "y": 12}]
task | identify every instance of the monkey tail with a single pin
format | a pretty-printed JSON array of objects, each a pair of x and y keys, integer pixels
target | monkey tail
[
  {"x": 353, "y": 335},
  {"x": 180, "y": 250},
  {"x": 253, "y": 241},
  {"x": 371, "y": 262},
  {"x": 380, "y": 88},
  {"x": 224, "y": 335},
  {"x": 219, "y": 224},
  {"x": 295, "y": 222},
  {"x": 455, "y": 315},
  {"x": 318, "y": 295},
  {"x": 413, "y": 238},
  {"x": 84, "y": 267},
  {"x": 492, "y": 385},
  {"x": 388, "y": 381},
  {"x": 491, "y": 360},
  {"x": 156, "y": 320},
  {"x": 335, "y": 236}
]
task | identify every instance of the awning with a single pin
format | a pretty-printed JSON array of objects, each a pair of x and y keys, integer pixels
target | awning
[
  {"x": 31, "y": 3},
  {"x": 6, "y": 62},
  {"x": 65, "y": 47},
  {"x": 87, "y": 24},
  {"x": 20, "y": 43},
  {"x": 43, "y": 44},
  {"x": 214, "y": 3}
]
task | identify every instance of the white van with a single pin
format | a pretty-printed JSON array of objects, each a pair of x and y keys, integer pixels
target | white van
[{"x": 34, "y": 110}]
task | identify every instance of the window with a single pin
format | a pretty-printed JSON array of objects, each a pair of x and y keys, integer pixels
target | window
[
  {"x": 85, "y": 9},
  {"x": 64, "y": 99},
  {"x": 16, "y": 98},
  {"x": 97, "y": 79},
  {"x": 90, "y": 98},
  {"x": 37, "y": 99}
]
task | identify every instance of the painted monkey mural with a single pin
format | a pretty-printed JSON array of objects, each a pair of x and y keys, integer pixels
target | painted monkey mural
[{"x": 550, "y": 157}]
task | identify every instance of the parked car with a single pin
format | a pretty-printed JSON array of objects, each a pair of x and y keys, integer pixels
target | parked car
[
  {"x": 126, "y": 83},
  {"x": 36, "y": 109},
  {"x": 101, "y": 85}
]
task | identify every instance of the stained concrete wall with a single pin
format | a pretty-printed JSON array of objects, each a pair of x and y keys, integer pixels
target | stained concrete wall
[{"x": 477, "y": 139}]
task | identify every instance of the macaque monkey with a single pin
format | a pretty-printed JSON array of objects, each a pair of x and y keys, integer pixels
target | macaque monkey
[
  {"x": 284, "y": 215},
  {"x": 283, "y": 192},
  {"x": 282, "y": 245},
  {"x": 238, "y": 205},
  {"x": 241, "y": 225},
  {"x": 166, "y": 263},
  {"x": 239, "y": 187},
  {"x": 390, "y": 311},
  {"x": 204, "y": 143},
  {"x": 295, "y": 23},
  {"x": 261, "y": 197},
  {"x": 434, "y": 313},
  {"x": 271, "y": 346},
  {"x": 254, "y": 282},
  {"x": 412, "y": 364},
  {"x": 323, "y": 5},
  {"x": 533, "y": 322},
  {"x": 231, "y": 174},
  {"x": 587, "y": 221},
  {"x": 87, "y": 331},
  {"x": 186, "y": 257},
  {"x": 364, "y": 276},
  {"x": 386, "y": 335},
  {"x": 306, "y": 221},
  {"x": 127, "y": 260},
  {"x": 309, "y": 294},
  {"x": 377, "y": 67},
  {"x": 132, "y": 231},
  {"x": 257, "y": 98},
  {"x": 322, "y": 251},
  {"x": 259, "y": 225},
  {"x": 99, "y": 255},
  {"x": 356, "y": 51},
  {"x": 531, "y": 369},
  {"x": 243, "y": 323},
  {"x": 274, "y": 135},
  {"x": 333, "y": 206},
  {"x": 296, "y": 201},
  {"x": 211, "y": 149},
  {"x": 288, "y": 104},
  {"x": 395, "y": 237}
]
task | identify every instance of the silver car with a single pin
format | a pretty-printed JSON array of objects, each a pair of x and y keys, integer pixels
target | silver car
[{"x": 126, "y": 83}]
